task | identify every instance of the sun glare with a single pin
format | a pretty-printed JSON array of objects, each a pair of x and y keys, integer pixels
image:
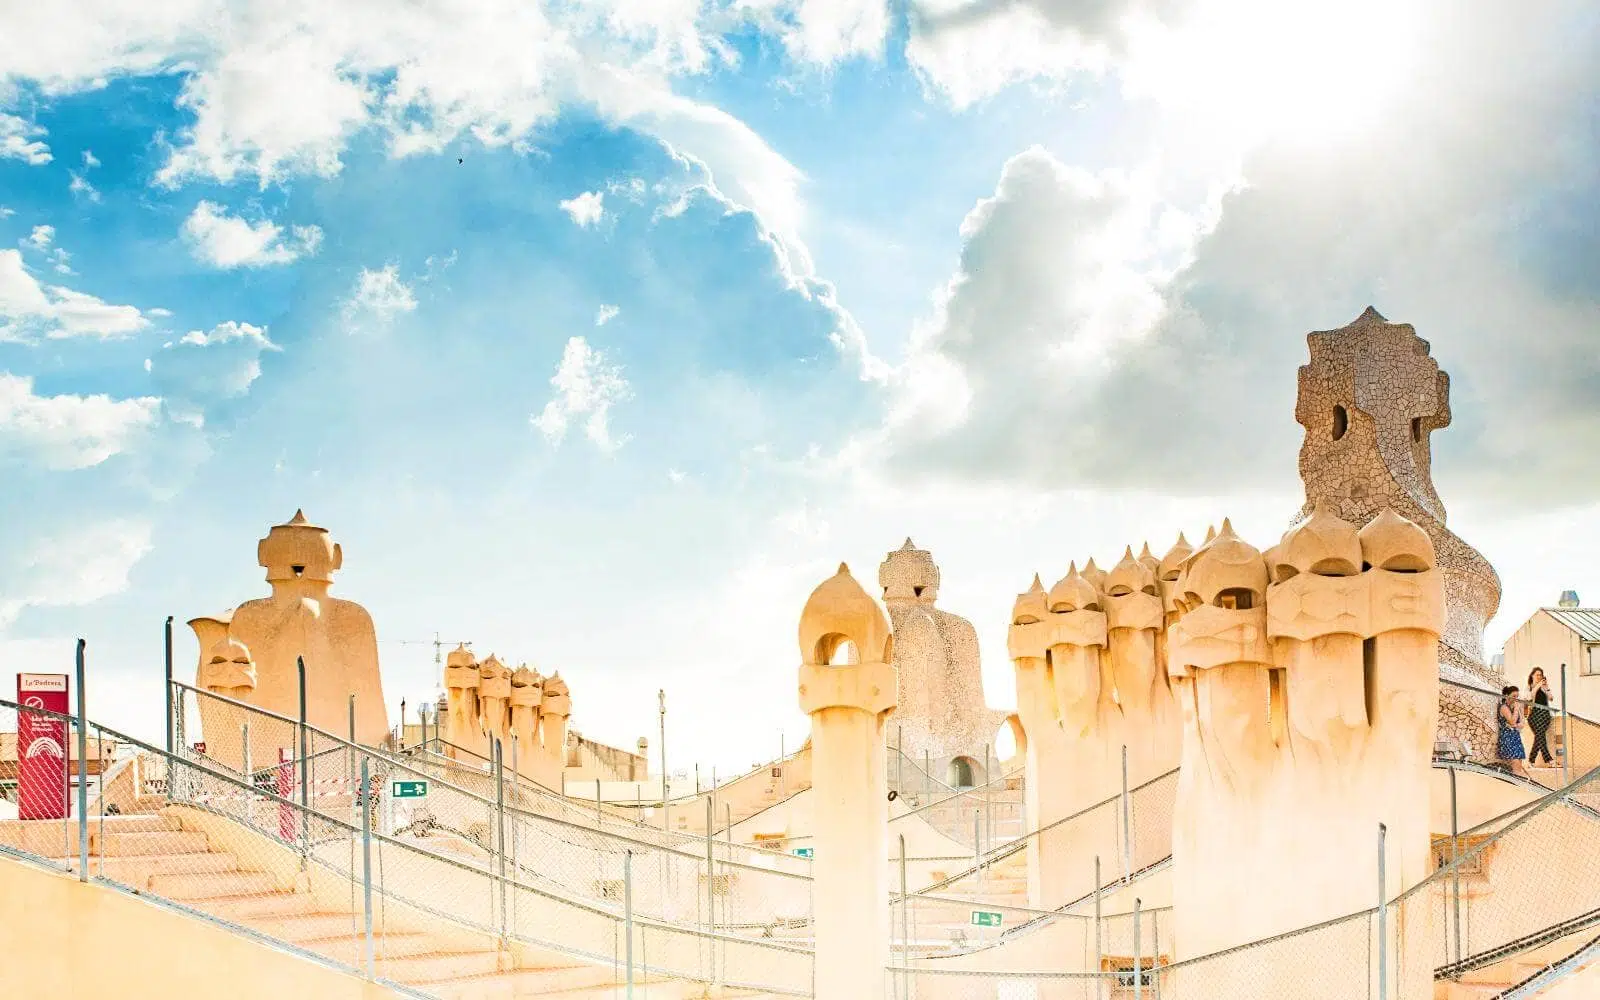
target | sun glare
[{"x": 1278, "y": 70}]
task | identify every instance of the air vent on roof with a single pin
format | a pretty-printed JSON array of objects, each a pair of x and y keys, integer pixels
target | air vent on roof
[{"x": 1569, "y": 599}]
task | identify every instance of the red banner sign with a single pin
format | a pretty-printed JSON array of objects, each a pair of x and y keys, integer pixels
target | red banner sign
[
  {"x": 285, "y": 790},
  {"x": 41, "y": 747}
]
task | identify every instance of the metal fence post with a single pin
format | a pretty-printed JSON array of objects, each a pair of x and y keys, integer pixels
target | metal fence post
[
  {"x": 977, "y": 843},
  {"x": 350, "y": 761},
  {"x": 83, "y": 773},
  {"x": 905, "y": 925},
  {"x": 627, "y": 914},
  {"x": 988, "y": 799},
  {"x": 1455, "y": 878},
  {"x": 711, "y": 899},
  {"x": 1155, "y": 954},
  {"x": 169, "y": 704},
  {"x": 1383, "y": 919},
  {"x": 1138, "y": 979},
  {"x": 500, "y": 828},
  {"x": 516, "y": 868},
  {"x": 305, "y": 761},
  {"x": 366, "y": 863},
  {"x": 1127, "y": 821},
  {"x": 1566, "y": 732},
  {"x": 177, "y": 784},
  {"x": 1099, "y": 954}
]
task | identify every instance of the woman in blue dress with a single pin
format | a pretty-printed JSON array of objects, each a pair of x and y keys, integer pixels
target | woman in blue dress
[{"x": 1508, "y": 744}]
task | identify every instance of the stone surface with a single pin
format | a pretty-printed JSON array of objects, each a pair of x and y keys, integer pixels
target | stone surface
[
  {"x": 1310, "y": 704},
  {"x": 941, "y": 713},
  {"x": 848, "y": 687},
  {"x": 335, "y": 637},
  {"x": 528, "y": 714},
  {"x": 1369, "y": 400}
]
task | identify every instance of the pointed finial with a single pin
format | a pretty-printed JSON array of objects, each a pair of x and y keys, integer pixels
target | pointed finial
[
  {"x": 1145, "y": 553},
  {"x": 1038, "y": 585},
  {"x": 909, "y": 546},
  {"x": 1182, "y": 540},
  {"x": 1227, "y": 528},
  {"x": 1072, "y": 568},
  {"x": 1371, "y": 315},
  {"x": 1127, "y": 552},
  {"x": 299, "y": 517},
  {"x": 844, "y": 570},
  {"x": 1090, "y": 567},
  {"x": 1211, "y": 533}
]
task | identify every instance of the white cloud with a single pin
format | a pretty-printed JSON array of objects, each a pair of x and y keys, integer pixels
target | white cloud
[
  {"x": 586, "y": 209},
  {"x": 81, "y": 187},
  {"x": 73, "y": 570},
  {"x": 90, "y": 161},
  {"x": 278, "y": 91},
  {"x": 824, "y": 32},
  {"x": 202, "y": 366},
  {"x": 380, "y": 294},
  {"x": 68, "y": 431},
  {"x": 1116, "y": 334},
  {"x": 28, "y": 308},
  {"x": 223, "y": 333},
  {"x": 226, "y": 241},
  {"x": 606, "y": 314},
  {"x": 19, "y": 141},
  {"x": 587, "y": 385},
  {"x": 40, "y": 240}
]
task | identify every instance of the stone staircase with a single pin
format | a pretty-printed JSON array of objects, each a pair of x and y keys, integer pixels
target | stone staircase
[{"x": 155, "y": 854}]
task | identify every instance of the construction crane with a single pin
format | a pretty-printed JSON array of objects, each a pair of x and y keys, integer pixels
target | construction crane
[{"x": 438, "y": 649}]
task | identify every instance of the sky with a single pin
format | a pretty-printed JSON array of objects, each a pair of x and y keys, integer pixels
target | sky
[{"x": 598, "y": 332}]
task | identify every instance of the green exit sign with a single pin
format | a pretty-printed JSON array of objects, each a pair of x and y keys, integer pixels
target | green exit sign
[
  {"x": 803, "y": 852},
  {"x": 985, "y": 918},
  {"x": 409, "y": 789}
]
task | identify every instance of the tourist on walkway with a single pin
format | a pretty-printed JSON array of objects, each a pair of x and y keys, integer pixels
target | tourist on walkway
[
  {"x": 1508, "y": 745},
  {"x": 1539, "y": 716}
]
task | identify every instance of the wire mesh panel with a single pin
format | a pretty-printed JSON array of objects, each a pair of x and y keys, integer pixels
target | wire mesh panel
[
  {"x": 39, "y": 812},
  {"x": 416, "y": 800},
  {"x": 1518, "y": 892},
  {"x": 1331, "y": 961},
  {"x": 940, "y": 984}
]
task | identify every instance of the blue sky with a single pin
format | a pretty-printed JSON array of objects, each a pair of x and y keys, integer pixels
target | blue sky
[{"x": 599, "y": 332}]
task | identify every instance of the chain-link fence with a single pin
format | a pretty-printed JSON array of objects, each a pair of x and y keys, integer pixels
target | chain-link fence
[
  {"x": 1514, "y": 894},
  {"x": 1130, "y": 833},
  {"x": 953, "y": 984},
  {"x": 350, "y": 892},
  {"x": 701, "y": 882}
]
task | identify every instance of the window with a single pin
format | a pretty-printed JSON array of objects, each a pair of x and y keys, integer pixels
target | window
[
  {"x": 1416, "y": 429},
  {"x": 1341, "y": 422},
  {"x": 1591, "y": 658}
]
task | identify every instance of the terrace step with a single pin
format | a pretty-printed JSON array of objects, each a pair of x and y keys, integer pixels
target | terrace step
[
  {"x": 440, "y": 966},
  {"x": 195, "y": 886},
  {"x": 136, "y": 871},
  {"x": 143, "y": 843},
  {"x": 246, "y": 909}
]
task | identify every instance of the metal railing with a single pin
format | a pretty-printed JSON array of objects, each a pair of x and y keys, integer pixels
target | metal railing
[
  {"x": 419, "y": 801},
  {"x": 348, "y": 892}
]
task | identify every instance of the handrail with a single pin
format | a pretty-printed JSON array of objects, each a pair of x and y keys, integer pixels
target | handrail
[
  {"x": 1554, "y": 972},
  {"x": 345, "y": 746},
  {"x": 1516, "y": 946},
  {"x": 272, "y": 797}
]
